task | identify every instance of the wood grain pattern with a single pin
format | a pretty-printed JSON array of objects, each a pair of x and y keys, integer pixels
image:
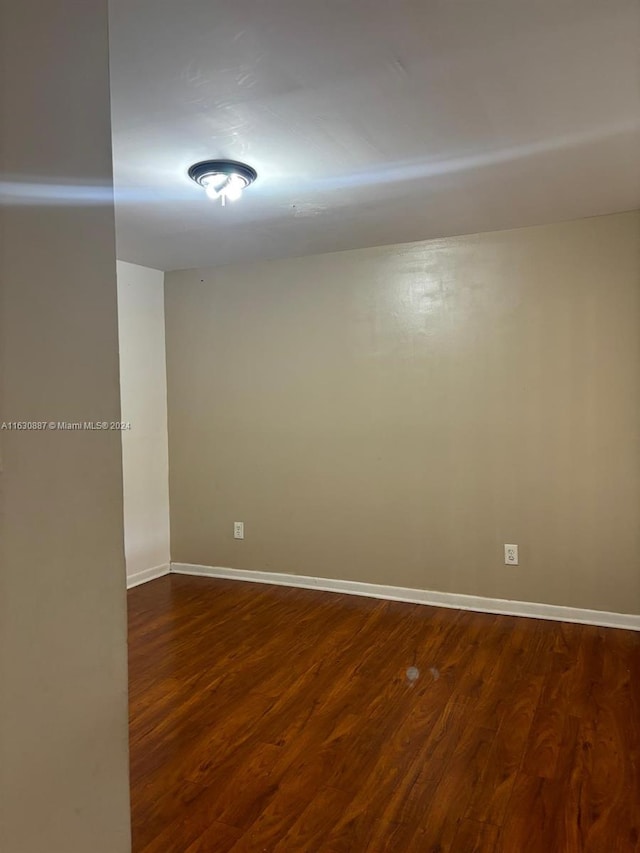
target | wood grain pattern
[{"x": 274, "y": 719}]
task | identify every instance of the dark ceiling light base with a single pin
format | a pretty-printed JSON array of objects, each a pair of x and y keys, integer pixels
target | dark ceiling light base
[
  {"x": 207, "y": 168},
  {"x": 224, "y": 179}
]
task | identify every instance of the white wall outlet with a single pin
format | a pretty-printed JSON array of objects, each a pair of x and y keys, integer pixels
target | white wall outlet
[
  {"x": 511, "y": 555},
  {"x": 238, "y": 529}
]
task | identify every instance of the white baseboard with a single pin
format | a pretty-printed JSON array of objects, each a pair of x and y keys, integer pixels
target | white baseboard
[
  {"x": 148, "y": 575},
  {"x": 453, "y": 600}
]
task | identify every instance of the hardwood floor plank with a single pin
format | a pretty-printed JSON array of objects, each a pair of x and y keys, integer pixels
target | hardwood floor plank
[
  {"x": 530, "y": 825},
  {"x": 384, "y": 789},
  {"x": 475, "y": 837},
  {"x": 310, "y": 830},
  {"x": 218, "y": 837},
  {"x": 490, "y": 798},
  {"x": 437, "y": 806}
]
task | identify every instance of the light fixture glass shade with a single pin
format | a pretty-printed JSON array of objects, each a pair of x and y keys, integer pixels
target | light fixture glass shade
[
  {"x": 214, "y": 185},
  {"x": 233, "y": 188}
]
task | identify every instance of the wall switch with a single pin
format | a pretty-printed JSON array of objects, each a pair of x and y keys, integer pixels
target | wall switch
[
  {"x": 511, "y": 555},
  {"x": 238, "y": 530}
]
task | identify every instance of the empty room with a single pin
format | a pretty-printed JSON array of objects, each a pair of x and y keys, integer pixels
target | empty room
[{"x": 320, "y": 426}]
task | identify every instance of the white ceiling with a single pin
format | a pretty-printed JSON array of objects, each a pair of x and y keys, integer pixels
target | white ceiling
[{"x": 369, "y": 121}]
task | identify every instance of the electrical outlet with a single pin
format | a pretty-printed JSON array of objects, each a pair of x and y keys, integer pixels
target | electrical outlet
[
  {"x": 238, "y": 529},
  {"x": 511, "y": 555}
]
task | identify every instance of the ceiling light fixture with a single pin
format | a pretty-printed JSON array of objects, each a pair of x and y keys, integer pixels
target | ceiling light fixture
[{"x": 223, "y": 179}]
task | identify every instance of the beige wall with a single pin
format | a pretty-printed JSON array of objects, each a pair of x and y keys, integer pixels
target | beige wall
[
  {"x": 63, "y": 690},
  {"x": 143, "y": 394},
  {"x": 395, "y": 415}
]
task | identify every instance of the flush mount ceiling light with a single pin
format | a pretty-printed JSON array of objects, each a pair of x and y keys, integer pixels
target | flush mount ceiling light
[{"x": 223, "y": 179}]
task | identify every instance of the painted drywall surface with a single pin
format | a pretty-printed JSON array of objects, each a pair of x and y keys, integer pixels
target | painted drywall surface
[
  {"x": 369, "y": 121},
  {"x": 396, "y": 415},
  {"x": 63, "y": 694},
  {"x": 143, "y": 390}
]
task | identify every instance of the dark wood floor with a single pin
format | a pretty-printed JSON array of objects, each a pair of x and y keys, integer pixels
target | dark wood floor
[{"x": 274, "y": 719}]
